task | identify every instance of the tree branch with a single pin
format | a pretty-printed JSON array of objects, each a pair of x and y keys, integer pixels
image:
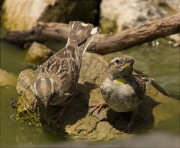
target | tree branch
[{"x": 102, "y": 43}]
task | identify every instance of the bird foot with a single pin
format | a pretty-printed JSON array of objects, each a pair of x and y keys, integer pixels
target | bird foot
[
  {"x": 98, "y": 106},
  {"x": 126, "y": 129},
  {"x": 58, "y": 117},
  {"x": 34, "y": 105}
]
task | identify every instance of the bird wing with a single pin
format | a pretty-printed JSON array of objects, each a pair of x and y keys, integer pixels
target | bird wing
[
  {"x": 62, "y": 68},
  {"x": 81, "y": 35},
  {"x": 60, "y": 73},
  {"x": 140, "y": 88}
]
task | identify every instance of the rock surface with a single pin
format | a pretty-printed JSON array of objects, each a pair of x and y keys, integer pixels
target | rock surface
[
  {"x": 37, "y": 54},
  {"x": 77, "y": 124},
  {"x": 23, "y": 15},
  {"x": 118, "y": 15},
  {"x": 127, "y": 15}
]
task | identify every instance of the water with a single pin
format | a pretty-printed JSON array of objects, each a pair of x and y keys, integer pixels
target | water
[
  {"x": 159, "y": 62},
  {"x": 13, "y": 133}
]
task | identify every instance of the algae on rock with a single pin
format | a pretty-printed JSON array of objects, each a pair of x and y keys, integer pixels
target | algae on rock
[{"x": 103, "y": 126}]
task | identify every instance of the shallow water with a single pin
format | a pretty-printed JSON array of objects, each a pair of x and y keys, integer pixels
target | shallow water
[
  {"x": 13, "y": 133},
  {"x": 159, "y": 62}
]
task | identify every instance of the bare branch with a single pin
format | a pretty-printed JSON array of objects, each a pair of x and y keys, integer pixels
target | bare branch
[{"x": 102, "y": 43}]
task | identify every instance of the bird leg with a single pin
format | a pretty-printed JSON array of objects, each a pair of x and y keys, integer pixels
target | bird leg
[
  {"x": 128, "y": 127},
  {"x": 98, "y": 106},
  {"x": 60, "y": 114},
  {"x": 35, "y": 104}
]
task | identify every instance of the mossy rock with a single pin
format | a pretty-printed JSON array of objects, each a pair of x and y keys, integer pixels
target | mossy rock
[{"x": 77, "y": 123}]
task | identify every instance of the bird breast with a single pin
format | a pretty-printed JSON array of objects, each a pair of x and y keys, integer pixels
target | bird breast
[{"x": 119, "y": 95}]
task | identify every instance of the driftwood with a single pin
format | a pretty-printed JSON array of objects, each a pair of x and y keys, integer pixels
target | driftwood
[{"x": 102, "y": 43}]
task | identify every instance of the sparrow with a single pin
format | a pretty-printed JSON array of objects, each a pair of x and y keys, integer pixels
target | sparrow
[
  {"x": 122, "y": 90},
  {"x": 56, "y": 80}
]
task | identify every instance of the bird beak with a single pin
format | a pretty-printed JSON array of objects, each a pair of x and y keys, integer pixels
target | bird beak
[
  {"x": 45, "y": 103},
  {"x": 128, "y": 64}
]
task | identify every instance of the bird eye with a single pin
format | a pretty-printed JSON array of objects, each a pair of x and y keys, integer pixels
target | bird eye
[{"x": 117, "y": 61}]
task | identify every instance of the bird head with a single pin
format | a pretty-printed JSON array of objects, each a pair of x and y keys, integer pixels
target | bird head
[
  {"x": 121, "y": 67},
  {"x": 44, "y": 89}
]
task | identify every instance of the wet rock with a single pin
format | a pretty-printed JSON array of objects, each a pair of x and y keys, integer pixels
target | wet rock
[
  {"x": 94, "y": 69},
  {"x": 23, "y": 15},
  {"x": 106, "y": 125},
  {"x": 7, "y": 79},
  {"x": 37, "y": 54}
]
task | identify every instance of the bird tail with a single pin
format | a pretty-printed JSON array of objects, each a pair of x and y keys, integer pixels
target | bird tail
[{"x": 81, "y": 34}]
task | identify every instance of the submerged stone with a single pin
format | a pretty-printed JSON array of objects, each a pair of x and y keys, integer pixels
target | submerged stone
[{"x": 7, "y": 79}]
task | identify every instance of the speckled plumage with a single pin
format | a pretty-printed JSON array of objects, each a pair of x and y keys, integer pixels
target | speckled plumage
[
  {"x": 122, "y": 90},
  {"x": 55, "y": 81},
  {"x": 127, "y": 95}
]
